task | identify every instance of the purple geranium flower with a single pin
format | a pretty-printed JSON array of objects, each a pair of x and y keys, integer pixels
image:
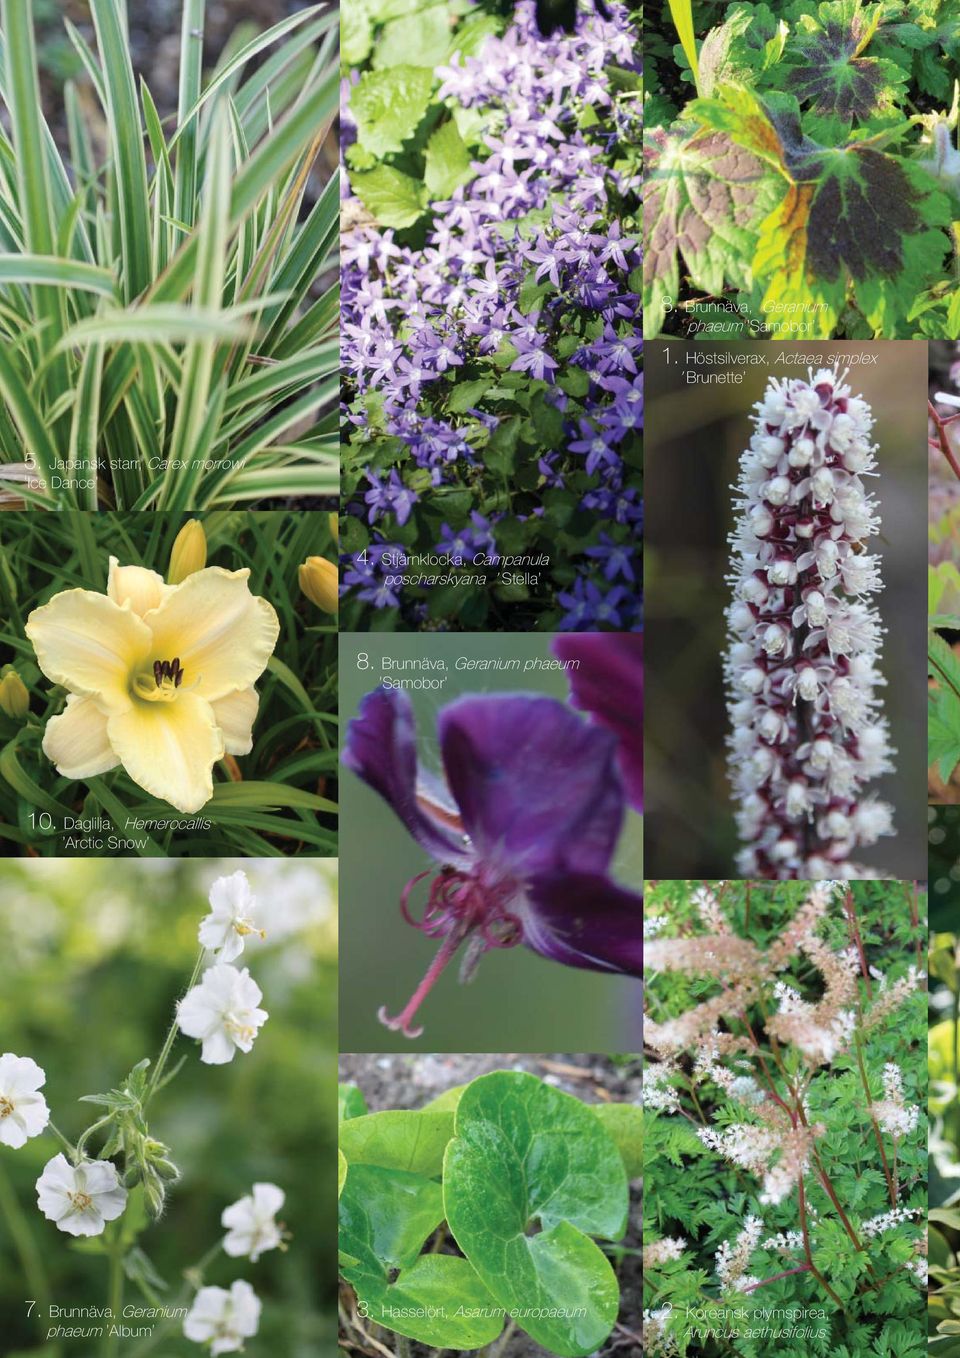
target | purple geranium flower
[
  {"x": 523, "y": 830},
  {"x": 609, "y": 685}
]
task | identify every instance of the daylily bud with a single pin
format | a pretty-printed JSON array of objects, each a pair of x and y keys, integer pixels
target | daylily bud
[
  {"x": 189, "y": 553},
  {"x": 335, "y": 527},
  {"x": 14, "y": 694},
  {"x": 320, "y": 581}
]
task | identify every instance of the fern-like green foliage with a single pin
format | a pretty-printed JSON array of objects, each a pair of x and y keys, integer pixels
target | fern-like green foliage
[{"x": 808, "y": 1232}]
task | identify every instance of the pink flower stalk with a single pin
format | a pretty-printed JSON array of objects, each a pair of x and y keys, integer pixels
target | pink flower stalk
[{"x": 801, "y": 665}]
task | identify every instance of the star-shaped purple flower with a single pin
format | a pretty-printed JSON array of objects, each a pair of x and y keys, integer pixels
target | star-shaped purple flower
[{"x": 523, "y": 829}]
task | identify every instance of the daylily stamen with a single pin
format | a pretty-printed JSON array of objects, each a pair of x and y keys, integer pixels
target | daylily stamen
[{"x": 168, "y": 669}]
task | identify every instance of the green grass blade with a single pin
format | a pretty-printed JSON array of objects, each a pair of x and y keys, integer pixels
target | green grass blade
[
  {"x": 56, "y": 273},
  {"x": 33, "y": 433},
  {"x": 681, "y": 11},
  {"x": 191, "y": 75},
  {"x": 32, "y": 169},
  {"x": 168, "y": 324},
  {"x": 126, "y": 143},
  {"x": 247, "y": 53},
  {"x": 212, "y": 238},
  {"x": 85, "y": 426}
]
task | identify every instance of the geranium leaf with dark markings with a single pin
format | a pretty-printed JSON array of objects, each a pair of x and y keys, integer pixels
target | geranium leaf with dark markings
[
  {"x": 703, "y": 199},
  {"x": 833, "y": 77},
  {"x": 852, "y": 216}
]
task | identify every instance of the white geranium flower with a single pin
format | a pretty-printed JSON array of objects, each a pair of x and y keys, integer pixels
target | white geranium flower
[
  {"x": 232, "y": 917},
  {"x": 82, "y": 1198},
  {"x": 23, "y": 1112},
  {"x": 222, "y": 1011},
  {"x": 223, "y": 1319},
  {"x": 250, "y": 1222}
]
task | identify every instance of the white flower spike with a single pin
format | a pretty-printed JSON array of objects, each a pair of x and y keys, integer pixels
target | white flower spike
[
  {"x": 232, "y": 917},
  {"x": 23, "y": 1111},
  {"x": 82, "y": 1198},
  {"x": 223, "y": 1319},
  {"x": 251, "y": 1225},
  {"x": 801, "y": 665},
  {"x": 222, "y": 1012}
]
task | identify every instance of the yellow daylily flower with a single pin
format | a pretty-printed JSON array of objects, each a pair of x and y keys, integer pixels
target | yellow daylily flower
[{"x": 160, "y": 677}]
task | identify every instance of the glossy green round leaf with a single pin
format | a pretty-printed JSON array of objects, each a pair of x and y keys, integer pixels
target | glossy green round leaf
[
  {"x": 350, "y": 1102},
  {"x": 529, "y": 1176},
  {"x": 445, "y": 1102},
  {"x": 397, "y": 1139},
  {"x": 389, "y": 1213},
  {"x": 385, "y": 1216},
  {"x": 624, "y": 1122},
  {"x": 342, "y": 1168}
]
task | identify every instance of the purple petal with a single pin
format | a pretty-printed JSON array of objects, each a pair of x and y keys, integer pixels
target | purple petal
[
  {"x": 609, "y": 685},
  {"x": 585, "y": 920},
  {"x": 381, "y": 748},
  {"x": 534, "y": 782}
]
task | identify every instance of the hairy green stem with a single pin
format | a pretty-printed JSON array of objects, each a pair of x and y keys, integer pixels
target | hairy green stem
[
  {"x": 67, "y": 1145},
  {"x": 194, "y": 1280},
  {"x": 171, "y": 1034}
]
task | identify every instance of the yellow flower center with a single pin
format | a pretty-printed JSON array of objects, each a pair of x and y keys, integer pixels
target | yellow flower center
[
  {"x": 81, "y": 1201},
  {"x": 244, "y": 927},
  {"x": 6, "y": 1107},
  {"x": 159, "y": 685},
  {"x": 240, "y": 1032}
]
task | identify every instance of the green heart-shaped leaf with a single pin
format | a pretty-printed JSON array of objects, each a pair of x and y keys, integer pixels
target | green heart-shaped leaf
[
  {"x": 529, "y": 1175},
  {"x": 624, "y": 1122},
  {"x": 397, "y": 1139},
  {"x": 350, "y": 1102},
  {"x": 385, "y": 1217},
  {"x": 397, "y": 1212}
]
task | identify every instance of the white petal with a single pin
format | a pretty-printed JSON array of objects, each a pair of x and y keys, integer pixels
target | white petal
[
  {"x": 218, "y": 1049},
  {"x": 268, "y": 1199},
  {"x": 196, "y": 1016},
  {"x": 76, "y": 741}
]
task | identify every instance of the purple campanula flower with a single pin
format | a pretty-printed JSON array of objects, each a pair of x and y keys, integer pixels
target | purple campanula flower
[
  {"x": 618, "y": 558},
  {"x": 523, "y": 829},
  {"x": 389, "y": 497}
]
